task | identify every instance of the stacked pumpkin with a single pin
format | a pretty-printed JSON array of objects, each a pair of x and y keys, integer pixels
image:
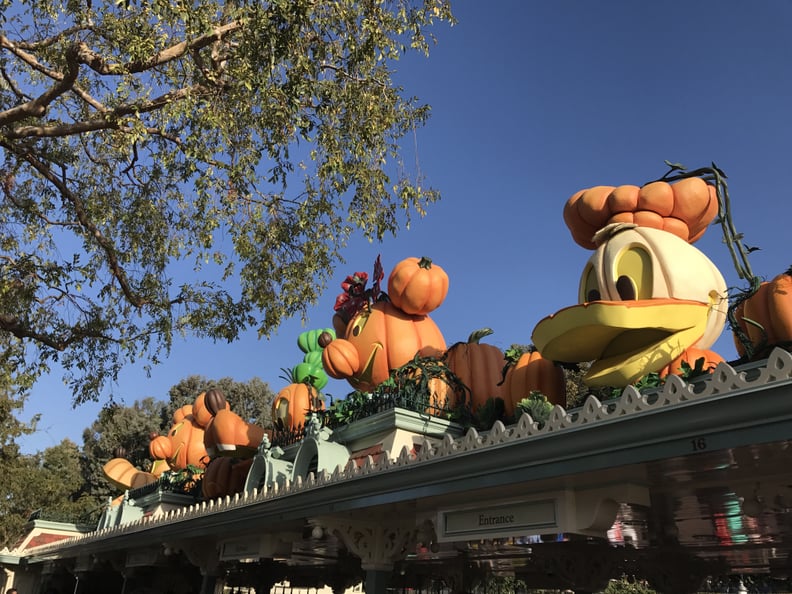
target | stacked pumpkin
[
  {"x": 183, "y": 446},
  {"x": 230, "y": 441},
  {"x": 378, "y": 333},
  {"x": 303, "y": 395}
]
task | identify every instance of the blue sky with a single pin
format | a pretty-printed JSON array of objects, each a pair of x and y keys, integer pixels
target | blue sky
[{"x": 533, "y": 100}]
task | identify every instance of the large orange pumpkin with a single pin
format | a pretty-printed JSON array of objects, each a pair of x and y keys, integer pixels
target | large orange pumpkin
[
  {"x": 383, "y": 338},
  {"x": 416, "y": 286},
  {"x": 770, "y": 313},
  {"x": 684, "y": 208},
  {"x": 225, "y": 476},
  {"x": 293, "y": 403},
  {"x": 690, "y": 356},
  {"x": 530, "y": 373},
  {"x": 478, "y": 366}
]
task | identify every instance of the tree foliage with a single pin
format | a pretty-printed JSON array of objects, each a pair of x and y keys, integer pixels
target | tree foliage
[
  {"x": 49, "y": 485},
  {"x": 244, "y": 140}
]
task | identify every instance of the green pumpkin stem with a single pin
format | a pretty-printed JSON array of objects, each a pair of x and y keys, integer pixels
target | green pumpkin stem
[
  {"x": 477, "y": 335},
  {"x": 425, "y": 262}
]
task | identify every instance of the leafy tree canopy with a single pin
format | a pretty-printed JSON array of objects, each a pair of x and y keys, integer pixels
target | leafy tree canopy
[{"x": 246, "y": 140}]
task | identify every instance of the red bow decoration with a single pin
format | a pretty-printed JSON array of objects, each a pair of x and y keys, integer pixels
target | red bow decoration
[{"x": 355, "y": 296}]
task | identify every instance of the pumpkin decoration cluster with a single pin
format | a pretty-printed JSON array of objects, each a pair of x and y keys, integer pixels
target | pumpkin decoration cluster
[
  {"x": 379, "y": 332},
  {"x": 648, "y": 303}
]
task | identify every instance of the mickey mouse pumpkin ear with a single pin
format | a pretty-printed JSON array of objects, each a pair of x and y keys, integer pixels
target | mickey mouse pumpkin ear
[{"x": 684, "y": 208}]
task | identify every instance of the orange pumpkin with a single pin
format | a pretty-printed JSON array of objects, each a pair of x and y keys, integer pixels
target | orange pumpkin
[
  {"x": 690, "y": 356},
  {"x": 416, "y": 286},
  {"x": 684, "y": 208},
  {"x": 225, "y": 476},
  {"x": 383, "y": 338},
  {"x": 207, "y": 404},
  {"x": 478, "y": 366},
  {"x": 530, "y": 373},
  {"x": 293, "y": 403},
  {"x": 771, "y": 308},
  {"x": 228, "y": 434},
  {"x": 180, "y": 413}
]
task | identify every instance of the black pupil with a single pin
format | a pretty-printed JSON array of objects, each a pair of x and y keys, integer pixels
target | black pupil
[
  {"x": 626, "y": 288},
  {"x": 593, "y": 295}
]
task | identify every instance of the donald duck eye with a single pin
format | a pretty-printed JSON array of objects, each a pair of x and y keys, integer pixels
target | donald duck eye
[
  {"x": 589, "y": 286},
  {"x": 634, "y": 274}
]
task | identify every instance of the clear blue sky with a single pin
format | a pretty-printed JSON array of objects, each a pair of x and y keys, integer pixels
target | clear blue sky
[{"x": 533, "y": 100}]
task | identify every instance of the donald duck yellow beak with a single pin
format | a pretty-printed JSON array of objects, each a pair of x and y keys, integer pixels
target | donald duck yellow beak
[{"x": 645, "y": 296}]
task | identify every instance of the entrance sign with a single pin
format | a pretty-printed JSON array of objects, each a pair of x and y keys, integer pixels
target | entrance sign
[{"x": 509, "y": 519}]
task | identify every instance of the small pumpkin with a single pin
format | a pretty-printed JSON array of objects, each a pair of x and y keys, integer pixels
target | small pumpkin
[
  {"x": 293, "y": 403},
  {"x": 766, "y": 316},
  {"x": 181, "y": 413},
  {"x": 691, "y": 356},
  {"x": 533, "y": 373},
  {"x": 416, "y": 286},
  {"x": 478, "y": 366},
  {"x": 225, "y": 476},
  {"x": 684, "y": 209}
]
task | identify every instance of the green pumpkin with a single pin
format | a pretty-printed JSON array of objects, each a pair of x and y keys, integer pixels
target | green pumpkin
[{"x": 308, "y": 341}]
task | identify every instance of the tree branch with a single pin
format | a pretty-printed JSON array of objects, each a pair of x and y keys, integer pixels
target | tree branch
[
  {"x": 21, "y": 330},
  {"x": 37, "y": 107},
  {"x": 109, "y": 120},
  {"x": 105, "y": 244},
  {"x": 99, "y": 64}
]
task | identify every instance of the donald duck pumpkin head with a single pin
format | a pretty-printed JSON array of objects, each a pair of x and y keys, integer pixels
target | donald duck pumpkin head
[{"x": 648, "y": 299}]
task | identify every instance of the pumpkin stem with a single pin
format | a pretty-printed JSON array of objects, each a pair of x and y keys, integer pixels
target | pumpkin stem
[
  {"x": 477, "y": 335},
  {"x": 425, "y": 263}
]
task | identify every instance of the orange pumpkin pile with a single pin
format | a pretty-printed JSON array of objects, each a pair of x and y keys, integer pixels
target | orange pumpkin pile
[
  {"x": 770, "y": 313},
  {"x": 684, "y": 208}
]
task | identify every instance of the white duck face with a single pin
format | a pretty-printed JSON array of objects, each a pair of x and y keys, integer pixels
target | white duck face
[{"x": 645, "y": 296}]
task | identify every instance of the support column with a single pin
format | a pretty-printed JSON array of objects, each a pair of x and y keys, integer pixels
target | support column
[
  {"x": 377, "y": 581},
  {"x": 207, "y": 560},
  {"x": 379, "y": 542}
]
